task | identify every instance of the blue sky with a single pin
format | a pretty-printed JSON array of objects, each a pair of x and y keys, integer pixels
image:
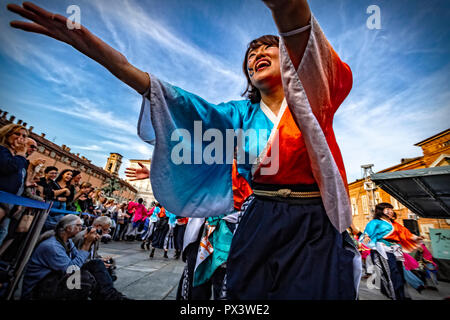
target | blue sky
[{"x": 401, "y": 72}]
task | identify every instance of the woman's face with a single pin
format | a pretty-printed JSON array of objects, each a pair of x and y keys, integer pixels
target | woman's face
[
  {"x": 263, "y": 64},
  {"x": 77, "y": 179},
  {"x": 51, "y": 175},
  {"x": 67, "y": 176},
  {"x": 17, "y": 139},
  {"x": 388, "y": 212}
]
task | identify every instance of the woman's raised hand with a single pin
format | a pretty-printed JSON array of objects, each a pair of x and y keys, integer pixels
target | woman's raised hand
[{"x": 56, "y": 26}]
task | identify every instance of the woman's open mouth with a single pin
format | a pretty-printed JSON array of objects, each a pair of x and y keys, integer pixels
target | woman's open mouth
[{"x": 261, "y": 64}]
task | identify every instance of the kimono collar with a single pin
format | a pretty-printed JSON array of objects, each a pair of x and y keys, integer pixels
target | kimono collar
[{"x": 269, "y": 113}]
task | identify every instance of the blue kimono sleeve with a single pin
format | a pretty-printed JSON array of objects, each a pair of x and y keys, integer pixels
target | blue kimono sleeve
[
  {"x": 376, "y": 230},
  {"x": 192, "y": 162}
]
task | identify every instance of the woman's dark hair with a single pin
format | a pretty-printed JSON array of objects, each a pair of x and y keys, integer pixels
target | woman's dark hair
[
  {"x": 61, "y": 174},
  {"x": 379, "y": 208},
  {"x": 251, "y": 92},
  {"x": 75, "y": 173},
  {"x": 50, "y": 168}
]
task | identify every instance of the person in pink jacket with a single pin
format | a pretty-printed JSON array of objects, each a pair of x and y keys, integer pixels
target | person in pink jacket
[{"x": 139, "y": 215}]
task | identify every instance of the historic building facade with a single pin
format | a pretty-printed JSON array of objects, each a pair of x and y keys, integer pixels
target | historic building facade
[
  {"x": 436, "y": 152},
  {"x": 61, "y": 158}
]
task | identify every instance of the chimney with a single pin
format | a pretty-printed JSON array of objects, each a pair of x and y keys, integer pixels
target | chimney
[
  {"x": 11, "y": 119},
  {"x": 67, "y": 149},
  {"x": 4, "y": 114},
  {"x": 43, "y": 135},
  {"x": 63, "y": 147},
  {"x": 78, "y": 155},
  {"x": 31, "y": 129},
  {"x": 19, "y": 122},
  {"x": 24, "y": 124}
]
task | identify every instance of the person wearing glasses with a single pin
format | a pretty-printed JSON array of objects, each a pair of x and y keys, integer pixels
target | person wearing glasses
[
  {"x": 52, "y": 271},
  {"x": 13, "y": 166},
  {"x": 13, "y": 162},
  {"x": 103, "y": 227}
]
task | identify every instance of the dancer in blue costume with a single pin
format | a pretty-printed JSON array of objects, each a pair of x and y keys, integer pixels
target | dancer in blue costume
[{"x": 291, "y": 241}]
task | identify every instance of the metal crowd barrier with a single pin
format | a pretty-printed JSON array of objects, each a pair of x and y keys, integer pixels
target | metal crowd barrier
[{"x": 43, "y": 209}]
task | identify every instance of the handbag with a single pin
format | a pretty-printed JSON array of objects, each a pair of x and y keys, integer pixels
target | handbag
[{"x": 25, "y": 223}]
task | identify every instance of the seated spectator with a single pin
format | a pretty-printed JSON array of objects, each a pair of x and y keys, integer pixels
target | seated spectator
[
  {"x": 48, "y": 271},
  {"x": 13, "y": 165}
]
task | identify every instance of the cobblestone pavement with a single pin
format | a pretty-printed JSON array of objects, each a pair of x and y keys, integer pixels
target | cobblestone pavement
[{"x": 142, "y": 278}]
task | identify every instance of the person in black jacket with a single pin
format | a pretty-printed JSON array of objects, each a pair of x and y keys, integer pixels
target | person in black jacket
[
  {"x": 59, "y": 188},
  {"x": 13, "y": 164}
]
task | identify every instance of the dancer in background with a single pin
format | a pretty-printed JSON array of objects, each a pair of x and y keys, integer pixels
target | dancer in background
[
  {"x": 161, "y": 230},
  {"x": 387, "y": 240},
  {"x": 178, "y": 235}
]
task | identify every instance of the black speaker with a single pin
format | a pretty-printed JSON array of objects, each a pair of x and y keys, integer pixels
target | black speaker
[{"x": 412, "y": 226}]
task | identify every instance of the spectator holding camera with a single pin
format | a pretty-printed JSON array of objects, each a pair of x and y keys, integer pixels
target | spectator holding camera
[
  {"x": 54, "y": 260},
  {"x": 102, "y": 226}
]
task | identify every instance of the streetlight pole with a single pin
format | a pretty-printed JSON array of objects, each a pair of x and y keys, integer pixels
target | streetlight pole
[{"x": 369, "y": 186}]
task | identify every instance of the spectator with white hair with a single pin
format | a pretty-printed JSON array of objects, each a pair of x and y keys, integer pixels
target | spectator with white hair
[
  {"x": 102, "y": 226},
  {"x": 54, "y": 263}
]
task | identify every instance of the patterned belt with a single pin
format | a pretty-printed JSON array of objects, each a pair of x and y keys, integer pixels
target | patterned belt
[{"x": 287, "y": 193}]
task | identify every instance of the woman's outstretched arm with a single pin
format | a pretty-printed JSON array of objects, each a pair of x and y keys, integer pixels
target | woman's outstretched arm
[
  {"x": 55, "y": 26},
  {"x": 290, "y": 15}
]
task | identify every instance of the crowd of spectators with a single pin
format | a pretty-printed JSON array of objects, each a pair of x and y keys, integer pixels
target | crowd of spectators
[
  {"x": 81, "y": 217},
  {"x": 71, "y": 198}
]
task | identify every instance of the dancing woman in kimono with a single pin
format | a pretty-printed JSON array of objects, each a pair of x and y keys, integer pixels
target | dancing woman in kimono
[
  {"x": 291, "y": 242},
  {"x": 387, "y": 240}
]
